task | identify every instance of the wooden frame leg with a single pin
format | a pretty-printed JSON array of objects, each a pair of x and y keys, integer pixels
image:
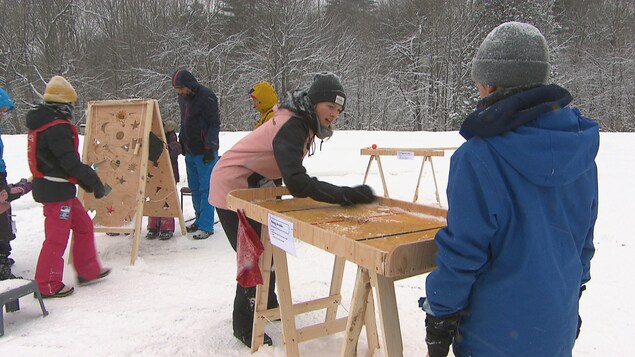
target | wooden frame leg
[
  {"x": 416, "y": 196},
  {"x": 381, "y": 174},
  {"x": 371, "y": 325},
  {"x": 262, "y": 292},
  {"x": 436, "y": 186},
  {"x": 388, "y": 315},
  {"x": 336, "y": 286},
  {"x": 370, "y": 161},
  {"x": 357, "y": 312},
  {"x": 287, "y": 316}
]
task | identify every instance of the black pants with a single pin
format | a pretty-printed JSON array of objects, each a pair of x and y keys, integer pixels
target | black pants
[
  {"x": 6, "y": 236},
  {"x": 243, "y": 315}
]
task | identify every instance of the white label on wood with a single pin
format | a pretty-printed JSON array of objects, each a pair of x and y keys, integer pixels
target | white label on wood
[
  {"x": 405, "y": 155},
  {"x": 281, "y": 233}
]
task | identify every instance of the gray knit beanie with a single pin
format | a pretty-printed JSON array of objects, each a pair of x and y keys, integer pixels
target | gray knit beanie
[{"x": 513, "y": 54}]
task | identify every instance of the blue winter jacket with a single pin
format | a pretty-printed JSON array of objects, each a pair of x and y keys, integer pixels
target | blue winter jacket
[{"x": 522, "y": 207}]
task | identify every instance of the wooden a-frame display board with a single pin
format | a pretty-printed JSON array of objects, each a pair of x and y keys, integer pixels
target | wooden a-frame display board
[{"x": 117, "y": 146}]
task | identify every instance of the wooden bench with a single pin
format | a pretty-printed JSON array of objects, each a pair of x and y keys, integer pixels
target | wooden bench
[
  {"x": 387, "y": 240},
  {"x": 13, "y": 289}
]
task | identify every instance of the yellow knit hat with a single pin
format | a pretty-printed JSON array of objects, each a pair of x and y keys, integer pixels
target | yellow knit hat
[{"x": 58, "y": 90}]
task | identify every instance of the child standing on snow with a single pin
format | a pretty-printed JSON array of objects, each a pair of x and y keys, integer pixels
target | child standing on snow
[
  {"x": 54, "y": 162},
  {"x": 163, "y": 227}
]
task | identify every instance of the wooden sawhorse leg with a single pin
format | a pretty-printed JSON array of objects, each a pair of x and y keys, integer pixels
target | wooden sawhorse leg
[
  {"x": 362, "y": 312},
  {"x": 285, "y": 310},
  {"x": 434, "y": 176},
  {"x": 381, "y": 172},
  {"x": 388, "y": 314}
]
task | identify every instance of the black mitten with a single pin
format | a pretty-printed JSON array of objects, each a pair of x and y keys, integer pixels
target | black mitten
[
  {"x": 357, "y": 194},
  {"x": 99, "y": 190},
  {"x": 440, "y": 333}
]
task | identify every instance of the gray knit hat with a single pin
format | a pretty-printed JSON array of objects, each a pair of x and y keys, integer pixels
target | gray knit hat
[{"x": 513, "y": 54}]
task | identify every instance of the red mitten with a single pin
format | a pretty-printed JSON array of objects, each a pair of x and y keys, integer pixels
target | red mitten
[{"x": 249, "y": 250}]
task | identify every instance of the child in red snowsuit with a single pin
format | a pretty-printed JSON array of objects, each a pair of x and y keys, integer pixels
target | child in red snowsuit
[
  {"x": 163, "y": 227},
  {"x": 56, "y": 168}
]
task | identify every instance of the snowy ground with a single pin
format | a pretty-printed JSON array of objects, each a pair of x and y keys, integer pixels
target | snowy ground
[{"x": 177, "y": 299}]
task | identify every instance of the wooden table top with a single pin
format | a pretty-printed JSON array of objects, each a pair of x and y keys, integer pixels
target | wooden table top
[{"x": 391, "y": 237}]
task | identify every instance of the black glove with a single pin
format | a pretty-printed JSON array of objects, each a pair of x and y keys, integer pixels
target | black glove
[
  {"x": 208, "y": 155},
  {"x": 99, "y": 190},
  {"x": 357, "y": 194},
  {"x": 582, "y": 288},
  {"x": 440, "y": 333}
]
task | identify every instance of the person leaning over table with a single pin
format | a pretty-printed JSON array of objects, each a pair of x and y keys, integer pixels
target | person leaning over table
[{"x": 276, "y": 149}]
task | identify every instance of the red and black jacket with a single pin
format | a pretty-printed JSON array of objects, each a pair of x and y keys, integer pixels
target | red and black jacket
[{"x": 54, "y": 157}]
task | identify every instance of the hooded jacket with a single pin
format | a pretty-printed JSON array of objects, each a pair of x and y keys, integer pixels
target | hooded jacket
[
  {"x": 200, "y": 116},
  {"x": 57, "y": 157},
  {"x": 267, "y": 99},
  {"x": 523, "y": 201}
]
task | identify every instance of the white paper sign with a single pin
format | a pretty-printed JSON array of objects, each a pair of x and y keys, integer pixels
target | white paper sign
[
  {"x": 405, "y": 155},
  {"x": 281, "y": 233}
]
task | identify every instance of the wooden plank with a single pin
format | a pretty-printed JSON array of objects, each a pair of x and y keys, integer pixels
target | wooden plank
[
  {"x": 371, "y": 325},
  {"x": 289, "y": 330},
  {"x": 357, "y": 313},
  {"x": 322, "y": 329},
  {"x": 388, "y": 315},
  {"x": 336, "y": 286},
  {"x": 394, "y": 151}
]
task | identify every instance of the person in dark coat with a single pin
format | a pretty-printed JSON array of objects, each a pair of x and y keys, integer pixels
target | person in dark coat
[
  {"x": 163, "y": 227},
  {"x": 523, "y": 201},
  {"x": 200, "y": 126},
  {"x": 57, "y": 169}
]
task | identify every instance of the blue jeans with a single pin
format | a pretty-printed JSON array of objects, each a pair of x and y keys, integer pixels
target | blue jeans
[{"x": 198, "y": 175}]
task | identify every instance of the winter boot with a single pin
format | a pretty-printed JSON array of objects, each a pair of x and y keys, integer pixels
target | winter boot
[
  {"x": 63, "y": 291},
  {"x": 5, "y": 268},
  {"x": 245, "y": 338},
  {"x": 192, "y": 228},
  {"x": 102, "y": 274},
  {"x": 165, "y": 235},
  {"x": 199, "y": 234},
  {"x": 152, "y": 234}
]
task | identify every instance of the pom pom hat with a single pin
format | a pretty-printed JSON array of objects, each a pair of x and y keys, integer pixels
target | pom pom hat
[
  {"x": 326, "y": 87},
  {"x": 58, "y": 90},
  {"x": 513, "y": 54},
  {"x": 169, "y": 125}
]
